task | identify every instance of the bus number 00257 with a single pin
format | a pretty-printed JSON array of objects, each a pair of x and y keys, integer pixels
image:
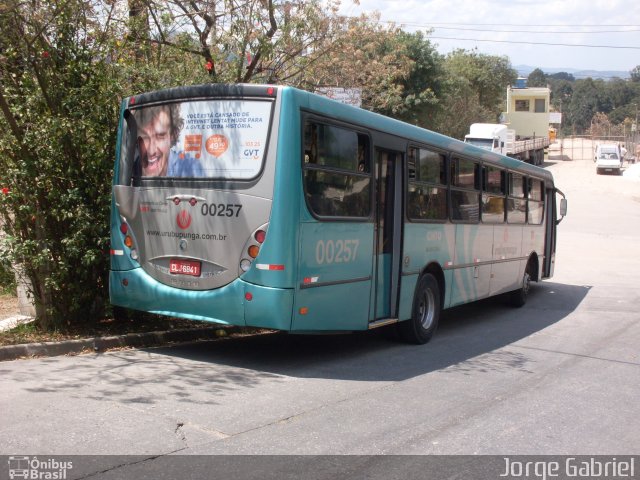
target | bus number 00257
[
  {"x": 340, "y": 251},
  {"x": 220, "y": 209}
]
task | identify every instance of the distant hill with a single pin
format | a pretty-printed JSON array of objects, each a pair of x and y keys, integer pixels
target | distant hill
[{"x": 525, "y": 70}]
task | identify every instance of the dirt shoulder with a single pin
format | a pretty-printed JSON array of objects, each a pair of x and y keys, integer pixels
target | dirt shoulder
[
  {"x": 135, "y": 323},
  {"x": 8, "y": 306}
]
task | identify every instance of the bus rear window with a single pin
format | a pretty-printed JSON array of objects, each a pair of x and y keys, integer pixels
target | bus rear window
[{"x": 210, "y": 139}]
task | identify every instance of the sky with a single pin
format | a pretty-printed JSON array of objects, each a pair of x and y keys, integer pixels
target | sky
[{"x": 598, "y": 32}]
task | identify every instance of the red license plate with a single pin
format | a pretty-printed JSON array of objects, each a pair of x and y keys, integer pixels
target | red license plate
[{"x": 184, "y": 267}]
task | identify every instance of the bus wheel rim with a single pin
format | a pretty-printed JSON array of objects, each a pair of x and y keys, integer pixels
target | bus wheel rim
[{"x": 426, "y": 309}]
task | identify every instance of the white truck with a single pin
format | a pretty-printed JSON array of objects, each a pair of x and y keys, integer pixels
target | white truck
[
  {"x": 608, "y": 158},
  {"x": 498, "y": 138}
]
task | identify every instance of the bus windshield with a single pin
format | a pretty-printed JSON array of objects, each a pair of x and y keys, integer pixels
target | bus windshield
[{"x": 212, "y": 139}]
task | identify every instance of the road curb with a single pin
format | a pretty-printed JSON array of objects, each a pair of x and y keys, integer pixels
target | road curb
[{"x": 99, "y": 344}]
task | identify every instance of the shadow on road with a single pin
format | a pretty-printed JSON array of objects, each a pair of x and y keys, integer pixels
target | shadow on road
[
  {"x": 465, "y": 332},
  {"x": 199, "y": 373},
  {"x": 559, "y": 157}
]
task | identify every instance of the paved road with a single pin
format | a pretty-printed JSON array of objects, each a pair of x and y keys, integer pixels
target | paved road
[{"x": 559, "y": 376}]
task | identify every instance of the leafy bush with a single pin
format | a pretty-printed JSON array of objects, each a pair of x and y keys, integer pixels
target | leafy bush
[
  {"x": 7, "y": 278},
  {"x": 63, "y": 72},
  {"x": 59, "y": 105}
]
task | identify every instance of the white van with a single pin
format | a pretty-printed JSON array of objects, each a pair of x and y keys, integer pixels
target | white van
[{"x": 608, "y": 158}]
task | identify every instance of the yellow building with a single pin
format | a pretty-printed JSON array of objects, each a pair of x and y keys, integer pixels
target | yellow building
[{"x": 527, "y": 110}]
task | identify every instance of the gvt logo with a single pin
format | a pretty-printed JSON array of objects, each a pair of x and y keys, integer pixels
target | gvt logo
[{"x": 184, "y": 219}]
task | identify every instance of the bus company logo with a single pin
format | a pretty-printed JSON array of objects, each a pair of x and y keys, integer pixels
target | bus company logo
[
  {"x": 183, "y": 219},
  {"x": 33, "y": 468},
  {"x": 435, "y": 236}
]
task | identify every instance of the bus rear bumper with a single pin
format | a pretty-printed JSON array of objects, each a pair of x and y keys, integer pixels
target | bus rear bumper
[{"x": 229, "y": 305}]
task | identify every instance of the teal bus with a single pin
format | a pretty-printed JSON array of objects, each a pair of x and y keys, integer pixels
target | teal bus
[{"x": 268, "y": 206}]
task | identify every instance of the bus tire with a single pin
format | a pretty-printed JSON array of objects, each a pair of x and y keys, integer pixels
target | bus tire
[
  {"x": 425, "y": 313},
  {"x": 518, "y": 298}
]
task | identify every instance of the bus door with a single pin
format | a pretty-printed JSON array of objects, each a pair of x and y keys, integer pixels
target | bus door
[{"x": 388, "y": 232}]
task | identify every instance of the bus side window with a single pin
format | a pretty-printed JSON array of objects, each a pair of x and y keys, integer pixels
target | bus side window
[
  {"x": 465, "y": 190},
  {"x": 516, "y": 201},
  {"x": 336, "y": 167},
  {"x": 427, "y": 189},
  {"x": 535, "y": 195},
  {"x": 493, "y": 195}
]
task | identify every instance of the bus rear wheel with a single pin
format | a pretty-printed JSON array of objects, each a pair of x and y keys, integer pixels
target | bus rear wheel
[{"x": 425, "y": 314}]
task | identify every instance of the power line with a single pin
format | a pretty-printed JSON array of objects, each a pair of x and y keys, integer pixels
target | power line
[
  {"x": 514, "y": 24},
  {"x": 537, "y": 43},
  {"x": 544, "y": 32}
]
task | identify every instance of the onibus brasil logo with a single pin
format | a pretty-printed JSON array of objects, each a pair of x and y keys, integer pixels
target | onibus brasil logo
[{"x": 33, "y": 468}]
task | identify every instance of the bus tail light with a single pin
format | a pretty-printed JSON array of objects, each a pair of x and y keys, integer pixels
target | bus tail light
[
  {"x": 128, "y": 239},
  {"x": 252, "y": 248},
  {"x": 260, "y": 235}
]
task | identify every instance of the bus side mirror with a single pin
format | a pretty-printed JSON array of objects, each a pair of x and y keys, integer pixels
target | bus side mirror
[{"x": 563, "y": 206}]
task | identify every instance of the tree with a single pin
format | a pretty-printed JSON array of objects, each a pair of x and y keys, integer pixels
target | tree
[
  {"x": 475, "y": 90},
  {"x": 619, "y": 92},
  {"x": 361, "y": 53},
  {"x": 562, "y": 76},
  {"x": 244, "y": 40},
  {"x": 487, "y": 75},
  {"x": 635, "y": 74},
  {"x": 53, "y": 153},
  {"x": 537, "y": 78},
  {"x": 561, "y": 93},
  {"x": 600, "y": 125},
  {"x": 589, "y": 97},
  {"x": 63, "y": 70},
  {"x": 424, "y": 85}
]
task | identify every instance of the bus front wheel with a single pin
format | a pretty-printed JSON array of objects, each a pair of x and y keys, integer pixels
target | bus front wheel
[
  {"x": 425, "y": 314},
  {"x": 518, "y": 298}
]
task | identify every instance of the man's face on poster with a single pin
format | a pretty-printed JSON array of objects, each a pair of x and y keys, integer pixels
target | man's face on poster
[{"x": 154, "y": 142}]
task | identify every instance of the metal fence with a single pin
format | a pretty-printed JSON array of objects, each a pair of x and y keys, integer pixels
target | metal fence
[{"x": 582, "y": 147}]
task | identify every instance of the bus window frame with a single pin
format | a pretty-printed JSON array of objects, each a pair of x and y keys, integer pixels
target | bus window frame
[
  {"x": 477, "y": 181},
  {"x": 524, "y": 198},
  {"x": 542, "y": 201},
  {"x": 446, "y": 185},
  {"x": 503, "y": 194},
  {"x": 310, "y": 116}
]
